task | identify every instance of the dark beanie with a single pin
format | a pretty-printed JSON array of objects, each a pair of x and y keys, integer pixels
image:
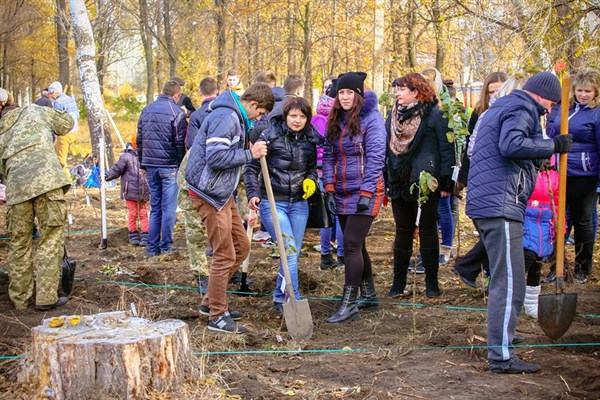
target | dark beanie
[
  {"x": 331, "y": 89},
  {"x": 544, "y": 84},
  {"x": 354, "y": 81}
]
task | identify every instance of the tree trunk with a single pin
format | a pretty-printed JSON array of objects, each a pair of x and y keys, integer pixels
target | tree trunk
[
  {"x": 333, "y": 63},
  {"x": 569, "y": 22},
  {"x": 291, "y": 61},
  {"x": 90, "y": 88},
  {"x": 306, "y": 56},
  {"x": 146, "y": 35},
  {"x": 108, "y": 355},
  {"x": 62, "y": 38},
  {"x": 440, "y": 46},
  {"x": 169, "y": 39},
  {"x": 221, "y": 40},
  {"x": 411, "y": 46},
  {"x": 378, "y": 53}
]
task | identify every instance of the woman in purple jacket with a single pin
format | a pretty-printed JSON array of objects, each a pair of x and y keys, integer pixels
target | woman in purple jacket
[
  {"x": 583, "y": 166},
  {"x": 353, "y": 161}
]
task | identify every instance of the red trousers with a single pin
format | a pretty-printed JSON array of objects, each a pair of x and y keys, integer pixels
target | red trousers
[{"x": 135, "y": 210}]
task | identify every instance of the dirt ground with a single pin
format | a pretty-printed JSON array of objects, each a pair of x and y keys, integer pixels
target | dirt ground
[{"x": 430, "y": 349}]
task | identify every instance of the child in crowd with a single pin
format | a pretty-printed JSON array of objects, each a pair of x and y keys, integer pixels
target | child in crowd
[{"x": 134, "y": 190}]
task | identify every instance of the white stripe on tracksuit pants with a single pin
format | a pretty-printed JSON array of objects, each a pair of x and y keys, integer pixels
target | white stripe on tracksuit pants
[{"x": 503, "y": 241}]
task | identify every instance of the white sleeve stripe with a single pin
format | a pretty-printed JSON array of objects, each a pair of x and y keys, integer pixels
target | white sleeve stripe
[{"x": 219, "y": 140}]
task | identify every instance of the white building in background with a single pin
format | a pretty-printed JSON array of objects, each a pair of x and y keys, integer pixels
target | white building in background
[{"x": 129, "y": 68}]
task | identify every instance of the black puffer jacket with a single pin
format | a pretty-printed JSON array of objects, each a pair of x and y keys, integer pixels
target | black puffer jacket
[{"x": 292, "y": 157}]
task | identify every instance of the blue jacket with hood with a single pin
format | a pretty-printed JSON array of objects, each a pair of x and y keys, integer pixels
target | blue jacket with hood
[
  {"x": 502, "y": 174},
  {"x": 218, "y": 153}
]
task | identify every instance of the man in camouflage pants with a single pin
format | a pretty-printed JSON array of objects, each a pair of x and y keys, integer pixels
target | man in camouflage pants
[
  {"x": 195, "y": 233},
  {"x": 35, "y": 187}
]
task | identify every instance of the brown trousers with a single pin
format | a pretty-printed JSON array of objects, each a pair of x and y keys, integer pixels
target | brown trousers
[{"x": 227, "y": 237}]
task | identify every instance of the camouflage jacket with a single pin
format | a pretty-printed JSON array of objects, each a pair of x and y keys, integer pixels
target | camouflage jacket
[{"x": 27, "y": 156}]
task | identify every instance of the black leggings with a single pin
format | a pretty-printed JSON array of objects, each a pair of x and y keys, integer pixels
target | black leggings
[
  {"x": 582, "y": 200},
  {"x": 356, "y": 258},
  {"x": 405, "y": 215}
]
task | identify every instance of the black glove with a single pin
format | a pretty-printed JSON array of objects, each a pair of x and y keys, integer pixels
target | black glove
[
  {"x": 330, "y": 204},
  {"x": 563, "y": 143},
  {"x": 363, "y": 203}
]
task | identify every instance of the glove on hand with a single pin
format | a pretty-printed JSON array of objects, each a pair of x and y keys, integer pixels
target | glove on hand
[
  {"x": 563, "y": 143},
  {"x": 363, "y": 203},
  {"x": 309, "y": 186},
  {"x": 330, "y": 203}
]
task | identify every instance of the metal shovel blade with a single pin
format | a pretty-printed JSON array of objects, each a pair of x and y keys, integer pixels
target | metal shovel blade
[
  {"x": 298, "y": 319},
  {"x": 556, "y": 313}
]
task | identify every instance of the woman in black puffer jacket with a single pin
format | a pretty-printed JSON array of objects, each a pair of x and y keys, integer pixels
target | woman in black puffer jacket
[{"x": 292, "y": 162}]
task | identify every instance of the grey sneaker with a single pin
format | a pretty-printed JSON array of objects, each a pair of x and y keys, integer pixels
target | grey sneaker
[
  {"x": 235, "y": 315},
  {"x": 226, "y": 324},
  {"x": 513, "y": 366}
]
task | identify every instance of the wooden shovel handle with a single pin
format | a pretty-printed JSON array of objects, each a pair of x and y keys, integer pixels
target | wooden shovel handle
[
  {"x": 562, "y": 183},
  {"x": 249, "y": 230},
  {"x": 280, "y": 243}
]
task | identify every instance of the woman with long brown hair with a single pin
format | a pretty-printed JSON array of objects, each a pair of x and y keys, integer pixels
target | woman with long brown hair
[
  {"x": 353, "y": 161},
  {"x": 417, "y": 143}
]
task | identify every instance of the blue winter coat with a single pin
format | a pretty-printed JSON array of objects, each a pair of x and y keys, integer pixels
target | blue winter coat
[
  {"x": 196, "y": 121},
  {"x": 161, "y": 134},
  {"x": 291, "y": 158},
  {"x": 584, "y": 125},
  {"x": 218, "y": 153},
  {"x": 354, "y": 166},
  {"x": 502, "y": 174}
]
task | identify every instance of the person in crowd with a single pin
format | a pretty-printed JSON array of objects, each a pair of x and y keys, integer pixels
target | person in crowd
[
  {"x": 501, "y": 180},
  {"x": 35, "y": 188},
  {"x": 135, "y": 192},
  {"x": 293, "y": 86},
  {"x": 8, "y": 104},
  {"x": 234, "y": 83},
  {"x": 583, "y": 164},
  {"x": 292, "y": 160},
  {"x": 219, "y": 152},
  {"x": 353, "y": 160},
  {"x": 491, "y": 84},
  {"x": 184, "y": 100},
  {"x": 319, "y": 121},
  {"x": 45, "y": 100},
  {"x": 160, "y": 141},
  {"x": 62, "y": 145},
  {"x": 417, "y": 143},
  {"x": 195, "y": 233},
  {"x": 3, "y": 98},
  {"x": 471, "y": 264}
]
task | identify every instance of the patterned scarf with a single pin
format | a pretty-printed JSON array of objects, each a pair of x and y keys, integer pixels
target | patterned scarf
[{"x": 405, "y": 122}]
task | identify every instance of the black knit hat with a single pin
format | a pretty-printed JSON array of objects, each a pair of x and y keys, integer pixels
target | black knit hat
[
  {"x": 331, "y": 89},
  {"x": 354, "y": 81},
  {"x": 544, "y": 84}
]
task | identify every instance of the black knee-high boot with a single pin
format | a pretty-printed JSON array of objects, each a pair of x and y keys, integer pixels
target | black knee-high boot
[
  {"x": 347, "y": 308},
  {"x": 401, "y": 260},
  {"x": 430, "y": 262}
]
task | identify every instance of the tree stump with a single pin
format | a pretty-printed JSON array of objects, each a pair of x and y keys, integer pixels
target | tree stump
[{"x": 107, "y": 355}]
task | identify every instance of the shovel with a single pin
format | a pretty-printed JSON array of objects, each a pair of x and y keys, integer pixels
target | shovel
[
  {"x": 556, "y": 311},
  {"x": 244, "y": 290},
  {"x": 298, "y": 319}
]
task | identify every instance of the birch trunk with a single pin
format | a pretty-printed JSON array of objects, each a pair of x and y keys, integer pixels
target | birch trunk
[{"x": 90, "y": 87}]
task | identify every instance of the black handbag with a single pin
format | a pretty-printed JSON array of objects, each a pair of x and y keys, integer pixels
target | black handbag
[
  {"x": 318, "y": 217},
  {"x": 67, "y": 277}
]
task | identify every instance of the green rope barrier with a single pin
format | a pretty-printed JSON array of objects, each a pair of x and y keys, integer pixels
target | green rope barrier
[{"x": 367, "y": 349}]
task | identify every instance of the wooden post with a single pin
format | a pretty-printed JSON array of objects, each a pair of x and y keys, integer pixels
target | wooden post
[{"x": 107, "y": 355}]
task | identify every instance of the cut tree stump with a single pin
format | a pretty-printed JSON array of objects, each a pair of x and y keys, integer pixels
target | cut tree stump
[{"x": 110, "y": 355}]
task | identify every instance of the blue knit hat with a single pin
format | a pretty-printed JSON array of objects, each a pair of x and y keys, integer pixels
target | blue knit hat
[{"x": 544, "y": 84}]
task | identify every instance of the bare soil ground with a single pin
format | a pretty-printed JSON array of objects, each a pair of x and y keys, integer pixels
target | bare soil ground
[{"x": 408, "y": 349}]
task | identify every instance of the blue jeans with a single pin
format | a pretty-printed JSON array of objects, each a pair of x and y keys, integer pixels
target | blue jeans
[
  {"x": 446, "y": 220},
  {"x": 327, "y": 233},
  {"x": 292, "y": 220},
  {"x": 163, "y": 209}
]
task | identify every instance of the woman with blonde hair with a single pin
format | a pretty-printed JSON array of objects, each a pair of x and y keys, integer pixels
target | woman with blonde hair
[{"x": 583, "y": 165}]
